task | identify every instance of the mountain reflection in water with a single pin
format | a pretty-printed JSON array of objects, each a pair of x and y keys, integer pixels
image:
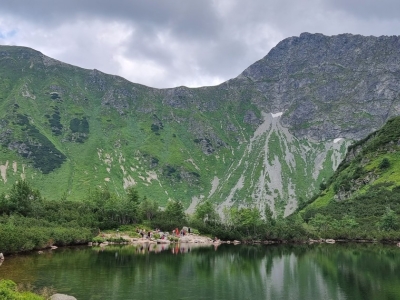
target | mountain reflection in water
[{"x": 191, "y": 271}]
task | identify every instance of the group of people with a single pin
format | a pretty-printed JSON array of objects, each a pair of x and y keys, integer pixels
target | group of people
[
  {"x": 184, "y": 231},
  {"x": 163, "y": 235}
]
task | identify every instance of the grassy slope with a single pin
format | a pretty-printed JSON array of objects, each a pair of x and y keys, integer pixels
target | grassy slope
[
  {"x": 367, "y": 201},
  {"x": 127, "y": 140},
  {"x": 123, "y": 144}
]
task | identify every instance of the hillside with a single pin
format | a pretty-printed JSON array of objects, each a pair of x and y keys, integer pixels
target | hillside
[
  {"x": 268, "y": 137},
  {"x": 366, "y": 184}
]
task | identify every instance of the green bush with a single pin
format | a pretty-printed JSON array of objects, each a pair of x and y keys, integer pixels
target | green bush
[
  {"x": 116, "y": 240},
  {"x": 98, "y": 239},
  {"x": 384, "y": 164},
  {"x": 8, "y": 291},
  {"x": 18, "y": 234}
]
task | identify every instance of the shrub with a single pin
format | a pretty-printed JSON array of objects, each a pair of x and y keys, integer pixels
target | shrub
[
  {"x": 9, "y": 291},
  {"x": 98, "y": 239},
  {"x": 384, "y": 164}
]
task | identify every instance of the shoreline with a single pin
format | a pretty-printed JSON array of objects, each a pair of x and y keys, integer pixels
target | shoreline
[{"x": 201, "y": 240}]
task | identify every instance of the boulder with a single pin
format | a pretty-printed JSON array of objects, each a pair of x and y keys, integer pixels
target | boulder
[
  {"x": 1, "y": 256},
  {"x": 62, "y": 297},
  {"x": 330, "y": 241}
]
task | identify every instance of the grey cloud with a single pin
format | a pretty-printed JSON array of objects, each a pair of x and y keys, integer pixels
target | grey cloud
[
  {"x": 190, "y": 19},
  {"x": 368, "y": 9},
  {"x": 190, "y": 41}
]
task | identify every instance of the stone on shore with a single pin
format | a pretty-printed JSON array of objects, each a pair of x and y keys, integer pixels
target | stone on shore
[
  {"x": 62, "y": 297},
  {"x": 195, "y": 239}
]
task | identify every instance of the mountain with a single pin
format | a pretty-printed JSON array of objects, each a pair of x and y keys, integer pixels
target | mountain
[
  {"x": 367, "y": 182},
  {"x": 267, "y": 137}
]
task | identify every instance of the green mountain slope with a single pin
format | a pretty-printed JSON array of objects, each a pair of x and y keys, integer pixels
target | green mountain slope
[
  {"x": 268, "y": 137},
  {"x": 367, "y": 183}
]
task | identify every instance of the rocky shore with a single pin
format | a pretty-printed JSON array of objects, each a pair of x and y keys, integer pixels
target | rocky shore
[{"x": 188, "y": 238}]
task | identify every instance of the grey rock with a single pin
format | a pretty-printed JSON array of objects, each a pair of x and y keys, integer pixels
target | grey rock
[
  {"x": 62, "y": 297},
  {"x": 251, "y": 118}
]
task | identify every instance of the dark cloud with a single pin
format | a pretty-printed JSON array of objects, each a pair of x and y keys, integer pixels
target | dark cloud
[
  {"x": 192, "y": 42},
  {"x": 190, "y": 19}
]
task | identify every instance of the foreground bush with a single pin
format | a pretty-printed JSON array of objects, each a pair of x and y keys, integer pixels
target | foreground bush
[{"x": 9, "y": 291}]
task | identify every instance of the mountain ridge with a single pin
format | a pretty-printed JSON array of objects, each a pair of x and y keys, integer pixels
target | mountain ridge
[{"x": 220, "y": 143}]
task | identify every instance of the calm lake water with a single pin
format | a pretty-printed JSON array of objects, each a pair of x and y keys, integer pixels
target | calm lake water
[{"x": 228, "y": 272}]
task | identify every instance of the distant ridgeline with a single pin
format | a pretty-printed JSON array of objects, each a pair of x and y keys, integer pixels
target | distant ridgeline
[{"x": 270, "y": 136}]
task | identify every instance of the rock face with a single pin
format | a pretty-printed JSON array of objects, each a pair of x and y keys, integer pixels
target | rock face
[
  {"x": 343, "y": 85},
  {"x": 268, "y": 137}
]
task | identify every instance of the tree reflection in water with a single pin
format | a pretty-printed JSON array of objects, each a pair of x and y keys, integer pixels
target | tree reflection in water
[{"x": 205, "y": 272}]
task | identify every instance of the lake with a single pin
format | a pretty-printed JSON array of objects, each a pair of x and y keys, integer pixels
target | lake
[{"x": 348, "y": 271}]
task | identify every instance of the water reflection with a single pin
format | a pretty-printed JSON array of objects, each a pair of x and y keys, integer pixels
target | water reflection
[{"x": 229, "y": 272}]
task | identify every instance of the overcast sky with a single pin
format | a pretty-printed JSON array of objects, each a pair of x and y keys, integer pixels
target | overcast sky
[{"x": 167, "y": 43}]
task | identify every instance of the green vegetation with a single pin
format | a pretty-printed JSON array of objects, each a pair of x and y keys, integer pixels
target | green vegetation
[
  {"x": 79, "y": 125},
  {"x": 360, "y": 201},
  {"x": 68, "y": 130},
  {"x": 75, "y": 129},
  {"x": 37, "y": 147},
  {"x": 364, "y": 191},
  {"x": 31, "y": 222},
  {"x": 28, "y": 221},
  {"x": 246, "y": 224},
  {"x": 9, "y": 290}
]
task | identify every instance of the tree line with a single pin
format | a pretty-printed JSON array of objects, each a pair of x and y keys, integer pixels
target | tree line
[{"x": 28, "y": 221}]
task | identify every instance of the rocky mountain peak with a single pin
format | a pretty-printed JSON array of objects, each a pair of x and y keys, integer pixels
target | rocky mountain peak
[{"x": 331, "y": 86}]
